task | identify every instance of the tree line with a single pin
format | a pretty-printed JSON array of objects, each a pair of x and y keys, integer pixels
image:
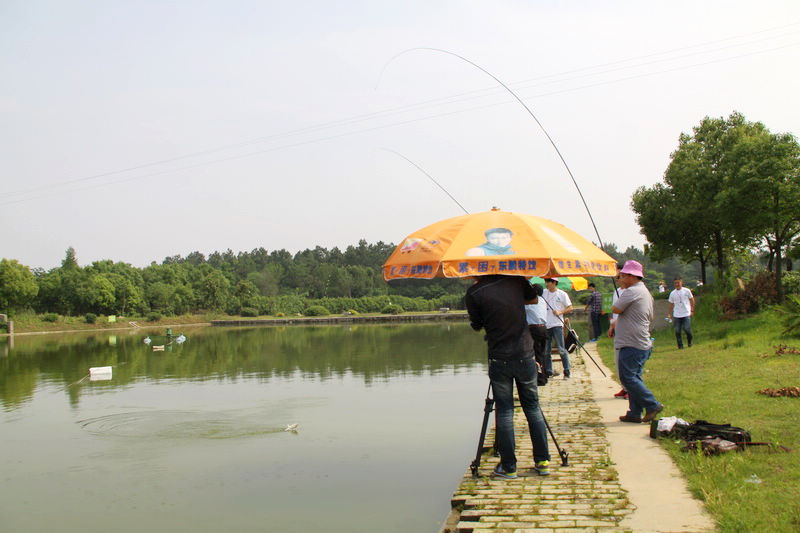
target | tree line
[
  {"x": 258, "y": 282},
  {"x": 252, "y": 283}
]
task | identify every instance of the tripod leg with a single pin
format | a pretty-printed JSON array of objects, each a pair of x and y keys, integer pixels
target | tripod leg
[
  {"x": 487, "y": 409},
  {"x": 562, "y": 453}
]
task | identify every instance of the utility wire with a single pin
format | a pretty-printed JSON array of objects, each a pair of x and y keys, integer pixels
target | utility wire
[{"x": 351, "y": 120}]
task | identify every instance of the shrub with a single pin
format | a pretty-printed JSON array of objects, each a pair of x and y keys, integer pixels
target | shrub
[
  {"x": 248, "y": 312},
  {"x": 353, "y": 312},
  {"x": 91, "y": 318},
  {"x": 791, "y": 312},
  {"x": 317, "y": 310},
  {"x": 758, "y": 292},
  {"x": 153, "y": 316},
  {"x": 791, "y": 282},
  {"x": 50, "y": 317},
  {"x": 392, "y": 309},
  {"x": 280, "y": 314}
]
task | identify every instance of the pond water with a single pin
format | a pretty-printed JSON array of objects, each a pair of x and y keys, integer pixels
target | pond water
[{"x": 194, "y": 439}]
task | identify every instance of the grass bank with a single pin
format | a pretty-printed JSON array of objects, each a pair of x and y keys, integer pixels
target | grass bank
[{"x": 717, "y": 380}]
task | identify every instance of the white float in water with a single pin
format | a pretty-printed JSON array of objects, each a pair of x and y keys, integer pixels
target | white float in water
[{"x": 100, "y": 373}]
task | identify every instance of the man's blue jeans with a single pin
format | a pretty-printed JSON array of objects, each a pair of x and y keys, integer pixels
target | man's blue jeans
[
  {"x": 502, "y": 375},
  {"x": 595, "y": 319},
  {"x": 684, "y": 323},
  {"x": 631, "y": 367},
  {"x": 556, "y": 333}
]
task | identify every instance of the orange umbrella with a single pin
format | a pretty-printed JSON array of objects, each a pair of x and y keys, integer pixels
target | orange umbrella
[{"x": 496, "y": 242}]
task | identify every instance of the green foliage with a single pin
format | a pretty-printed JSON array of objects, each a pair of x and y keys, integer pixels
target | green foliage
[
  {"x": 392, "y": 309},
  {"x": 18, "y": 286},
  {"x": 153, "y": 316},
  {"x": 791, "y": 315},
  {"x": 791, "y": 282},
  {"x": 90, "y": 318},
  {"x": 50, "y": 317},
  {"x": 249, "y": 312},
  {"x": 316, "y": 310}
]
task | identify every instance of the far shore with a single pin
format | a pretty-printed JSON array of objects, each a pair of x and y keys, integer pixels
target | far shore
[{"x": 225, "y": 321}]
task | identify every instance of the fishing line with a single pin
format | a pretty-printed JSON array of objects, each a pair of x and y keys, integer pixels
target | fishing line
[
  {"x": 429, "y": 176},
  {"x": 518, "y": 99}
]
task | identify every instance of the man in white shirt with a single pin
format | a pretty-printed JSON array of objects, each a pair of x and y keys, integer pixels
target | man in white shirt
[
  {"x": 558, "y": 304},
  {"x": 681, "y": 309}
]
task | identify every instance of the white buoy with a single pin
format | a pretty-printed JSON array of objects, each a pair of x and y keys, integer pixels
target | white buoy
[{"x": 100, "y": 373}]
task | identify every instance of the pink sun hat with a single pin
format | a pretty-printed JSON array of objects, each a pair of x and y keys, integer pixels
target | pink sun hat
[{"x": 634, "y": 268}]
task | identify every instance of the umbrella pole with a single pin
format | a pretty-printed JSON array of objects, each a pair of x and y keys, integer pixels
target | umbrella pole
[{"x": 487, "y": 408}]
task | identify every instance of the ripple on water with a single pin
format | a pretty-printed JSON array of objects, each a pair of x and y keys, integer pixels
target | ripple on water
[{"x": 182, "y": 424}]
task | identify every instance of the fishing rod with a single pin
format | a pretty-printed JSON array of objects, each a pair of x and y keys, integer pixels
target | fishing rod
[{"x": 429, "y": 176}]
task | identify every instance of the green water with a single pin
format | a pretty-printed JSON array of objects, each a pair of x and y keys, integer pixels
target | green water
[{"x": 193, "y": 439}]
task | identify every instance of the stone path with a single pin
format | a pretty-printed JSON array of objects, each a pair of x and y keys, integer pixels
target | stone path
[{"x": 617, "y": 479}]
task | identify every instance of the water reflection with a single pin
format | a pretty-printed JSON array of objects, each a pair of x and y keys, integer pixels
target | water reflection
[
  {"x": 194, "y": 440},
  {"x": 372, "y": 352}
]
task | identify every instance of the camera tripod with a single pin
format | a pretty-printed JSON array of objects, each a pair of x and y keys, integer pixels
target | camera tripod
[{"x": 487, "y": 409}]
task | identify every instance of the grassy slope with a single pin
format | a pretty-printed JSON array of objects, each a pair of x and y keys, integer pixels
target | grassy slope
[{"x": 717, "y": 380}]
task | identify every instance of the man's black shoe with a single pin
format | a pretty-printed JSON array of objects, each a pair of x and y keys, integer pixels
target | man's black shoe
[{"x": 632, "y": 419}]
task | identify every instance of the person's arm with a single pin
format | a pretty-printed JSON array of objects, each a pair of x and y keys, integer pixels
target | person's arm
[
  {"x": 622, "y": 303},
  {"x": 671, "y": 307},
  {"x": 475, "y": 319},
  {"x": 691, "y": 304}
]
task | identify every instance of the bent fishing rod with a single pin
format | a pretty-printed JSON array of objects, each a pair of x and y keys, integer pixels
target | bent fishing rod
[{"x": 541, "y": 126}]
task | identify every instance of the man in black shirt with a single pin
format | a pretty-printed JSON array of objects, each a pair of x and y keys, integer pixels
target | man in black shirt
[{"x": 497, "y": 304}]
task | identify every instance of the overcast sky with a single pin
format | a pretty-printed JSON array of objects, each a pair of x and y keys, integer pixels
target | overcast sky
[{"x": 136, "y": 130}]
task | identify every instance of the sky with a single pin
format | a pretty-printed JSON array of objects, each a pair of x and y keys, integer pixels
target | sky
[{"x": 137, "y": 130}]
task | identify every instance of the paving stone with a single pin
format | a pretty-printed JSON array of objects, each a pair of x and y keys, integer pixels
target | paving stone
[{"x": 583, "y": 496}]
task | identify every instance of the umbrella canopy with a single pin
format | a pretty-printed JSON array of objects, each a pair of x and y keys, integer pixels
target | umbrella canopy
[
  {"x": 496, "y": 242},
  {"x": 566, "y": 283}
]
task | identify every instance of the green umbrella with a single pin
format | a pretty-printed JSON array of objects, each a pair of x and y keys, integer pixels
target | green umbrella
[{"x": 564, "y": 283}]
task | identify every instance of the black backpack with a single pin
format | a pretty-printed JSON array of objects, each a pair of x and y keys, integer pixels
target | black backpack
[{"x": 702, "y": 429}]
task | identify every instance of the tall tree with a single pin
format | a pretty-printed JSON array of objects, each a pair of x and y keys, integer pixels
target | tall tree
[{"x": 764, "y": 197}]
